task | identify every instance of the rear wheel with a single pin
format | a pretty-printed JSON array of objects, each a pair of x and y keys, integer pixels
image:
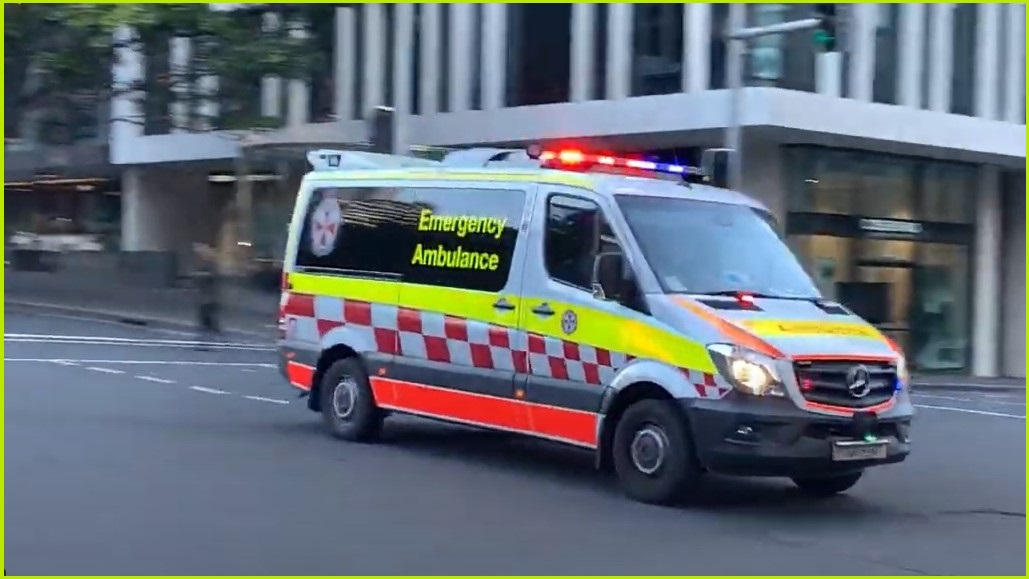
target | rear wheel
[
  {"x": 652, "y": 453},
  {"x": 828, "y": 486},
  {"x": 348, "y": 406}
]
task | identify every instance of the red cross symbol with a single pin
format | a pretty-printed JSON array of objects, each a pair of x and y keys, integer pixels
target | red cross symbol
[{"x": 324, "y": 231}]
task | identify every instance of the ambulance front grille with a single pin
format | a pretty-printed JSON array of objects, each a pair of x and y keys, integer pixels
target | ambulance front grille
[{"x": 825, "y": 382}]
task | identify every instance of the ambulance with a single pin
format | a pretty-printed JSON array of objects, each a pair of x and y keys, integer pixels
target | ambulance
[{"x": 623, "y": 306}]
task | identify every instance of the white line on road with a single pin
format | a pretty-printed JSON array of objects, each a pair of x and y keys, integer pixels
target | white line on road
[
  {"x": 206, "y": 390},
  {"x": 155, "y": 379},
  {"x": 970, "y": 411},
  {"x": 941, "y": 397},
  {"x": 105, "y": 370},
  {"x": 989, "y": 400},
  {"x": 65, "y": 362},
  {"x": 211, "y": 346},
  {"x": 263, "y": 399}
]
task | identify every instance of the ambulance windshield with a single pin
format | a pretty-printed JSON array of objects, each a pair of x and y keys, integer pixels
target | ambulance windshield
[{"x": 700, "y": 247}]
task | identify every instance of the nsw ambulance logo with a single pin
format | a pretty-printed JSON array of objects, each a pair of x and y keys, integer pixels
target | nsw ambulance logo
[{"x": 326, "y": 221}]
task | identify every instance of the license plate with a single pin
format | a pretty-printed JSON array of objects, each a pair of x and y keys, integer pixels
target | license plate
[{"x": 859, "y": 450}]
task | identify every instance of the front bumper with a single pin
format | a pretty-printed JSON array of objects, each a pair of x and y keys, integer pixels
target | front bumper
[{"x": 746, "y": 435}]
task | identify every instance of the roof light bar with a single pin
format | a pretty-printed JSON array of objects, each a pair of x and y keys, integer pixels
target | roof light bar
[{"x": 573, "y": 159}]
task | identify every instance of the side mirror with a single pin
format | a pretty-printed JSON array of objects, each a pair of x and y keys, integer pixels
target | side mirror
[{"x": 608, "y": 275}]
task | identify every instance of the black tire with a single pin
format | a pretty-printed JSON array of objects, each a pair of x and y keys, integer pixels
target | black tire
[
  {"x": 361, "y": 420},
  {"x": 677, "y": 476},
  {"x": 824, "y": 487}
]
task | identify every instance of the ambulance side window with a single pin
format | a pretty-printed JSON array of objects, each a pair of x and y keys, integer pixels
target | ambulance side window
[
  {"x": 462, "y": 238},
  {"x": 576, "y": 233},
  {"x": 358, "y": 230}
]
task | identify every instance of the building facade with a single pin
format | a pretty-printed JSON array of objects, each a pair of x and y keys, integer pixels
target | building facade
[{"x": 896, "y": 165}]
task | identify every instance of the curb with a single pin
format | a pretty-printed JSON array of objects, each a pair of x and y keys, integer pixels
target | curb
[{"x": 140, "y": 320}]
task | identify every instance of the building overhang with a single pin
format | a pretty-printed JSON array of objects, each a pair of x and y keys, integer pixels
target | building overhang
[
  {"x": 699, "y": 118},
  {"x": 81, "y": 160}
]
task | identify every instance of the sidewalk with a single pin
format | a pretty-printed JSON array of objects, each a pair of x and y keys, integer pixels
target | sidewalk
[{"x": 244, "y": 310}]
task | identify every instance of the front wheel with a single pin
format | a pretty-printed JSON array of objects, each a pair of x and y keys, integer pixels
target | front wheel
[
  {"x": 652, "y": 454},
  {"x": 348, "y": 406},
  {"x": 828, "y": 486}
]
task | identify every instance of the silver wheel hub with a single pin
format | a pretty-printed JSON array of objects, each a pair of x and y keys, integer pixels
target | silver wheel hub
[
  {"x": 648, "y": 449},
  {"x": 344, "y": 398}
]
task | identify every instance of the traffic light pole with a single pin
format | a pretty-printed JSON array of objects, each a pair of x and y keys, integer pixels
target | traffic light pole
[{"x": 737, "y": 41}]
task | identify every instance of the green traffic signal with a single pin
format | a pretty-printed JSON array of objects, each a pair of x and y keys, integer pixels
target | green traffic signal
[{"x": 825, "y": 34}]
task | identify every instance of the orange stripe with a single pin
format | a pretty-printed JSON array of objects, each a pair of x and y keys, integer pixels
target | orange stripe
[
  {"x": 570, "y": 426},
  {"x": 841, "y": 410},
  {"x": 300, "y": 375},
  {"x": 731, "y": 331}
]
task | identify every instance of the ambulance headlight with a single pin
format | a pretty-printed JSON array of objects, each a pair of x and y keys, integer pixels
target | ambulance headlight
[{"x": 747, "y": 371}]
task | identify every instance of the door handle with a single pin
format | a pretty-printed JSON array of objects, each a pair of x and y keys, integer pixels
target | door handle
[
  {"x": 503, "y": 304},
  {"x": 543, "y": 309}
]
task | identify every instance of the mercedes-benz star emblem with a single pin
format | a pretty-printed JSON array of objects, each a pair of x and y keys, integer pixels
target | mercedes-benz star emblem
[{"x": 859, "y": 383}]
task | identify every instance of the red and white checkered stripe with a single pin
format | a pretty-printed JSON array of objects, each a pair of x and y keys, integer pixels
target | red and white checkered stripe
[{"x": 439, "y": 337}]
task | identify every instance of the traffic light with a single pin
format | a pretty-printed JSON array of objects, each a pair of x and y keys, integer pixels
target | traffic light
[
  {"x": 825, "y": 34},
  {"x": 382, "y": 129}
]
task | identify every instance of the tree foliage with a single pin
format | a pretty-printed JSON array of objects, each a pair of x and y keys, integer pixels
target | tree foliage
[{"x": 59, "y": 57}]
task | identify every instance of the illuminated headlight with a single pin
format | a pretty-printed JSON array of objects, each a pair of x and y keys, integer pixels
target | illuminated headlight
[{"x": 747, "y": 371}]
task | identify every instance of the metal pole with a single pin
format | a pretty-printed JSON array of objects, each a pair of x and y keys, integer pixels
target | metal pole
[{"x": 733, "y": 130}]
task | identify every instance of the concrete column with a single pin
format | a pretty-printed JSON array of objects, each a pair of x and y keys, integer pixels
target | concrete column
[
  {"x": 763, "y": 178},
  {"x": 462, "y": 19},
  {"x": 430, "y": 54},
  {"x": 271, "y": 86},
  {"x": 619, "y": 51},
  {"x": 493, "y": 70},
  {"x": 861, "y": 32},
  {"x": 911, "y": 59},
  {"x": 829, "y": 74},
  {"x": 403, "y": 81},
  {"x": 584, "y": 19},
  {"x": 373, "y": 84},
  {"x": 1013, "y": 316},
  {"x": 298, "y": 92},
  {"x": 987, "y": 267},
  {"x": 941, "y": 55},
  {"x": 126, "y": 114},
  {"x": 1014, "y": 66},
  {"x": 987, "y": 60},
  {"x": 343, "y": 63},
  {"x": 180, "y": 113},
  {"x": 697, "y": 46}
]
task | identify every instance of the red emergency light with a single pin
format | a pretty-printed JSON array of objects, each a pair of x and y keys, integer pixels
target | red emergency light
[{"x": 574, "y": 159}]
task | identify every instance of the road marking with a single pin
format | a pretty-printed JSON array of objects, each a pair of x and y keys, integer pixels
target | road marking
[
  {"x": 105, "y": 370},
  {"x": 263, "y": 399},
  {"x": 941, "y": 397},
  {"x": 207, "y": 390},
  {"x": 66, "y": 362},
  {"x": 155, "y": 379},
  {"x": 136, "y": 342},
  {"x": 970, "y": 411}
]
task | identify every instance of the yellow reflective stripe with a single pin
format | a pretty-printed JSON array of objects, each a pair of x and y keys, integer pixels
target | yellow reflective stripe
[
  {"x": 786, "y": 328},
  {"x": 596, "y": 328},
  {"x": 638, "y": 338},
  {"x": 548, "y": 177},
  {"x": 455, "y": 302}
]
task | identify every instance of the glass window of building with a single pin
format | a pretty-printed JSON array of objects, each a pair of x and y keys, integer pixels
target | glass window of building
[
  {"x": 657, "y": 49},
  {"x": 962, "y": 81},
  {"x": 322, "y": 27},
  {"x": 539, "y": 53},
  {"x": 443, "y": 83},
  {"x": 890, "y": 237},
  {"x": 887, "y": 35},
  {"x": 416, "y": 61},
  {"x": 475, "y": 81},
  {"x": 719, "y": 29},
  {"x": 596, "y": 91},
  {"x": 357, "y": 45}
]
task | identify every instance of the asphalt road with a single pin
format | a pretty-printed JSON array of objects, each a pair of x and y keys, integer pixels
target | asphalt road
[{"x": 130, "y": 454}]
